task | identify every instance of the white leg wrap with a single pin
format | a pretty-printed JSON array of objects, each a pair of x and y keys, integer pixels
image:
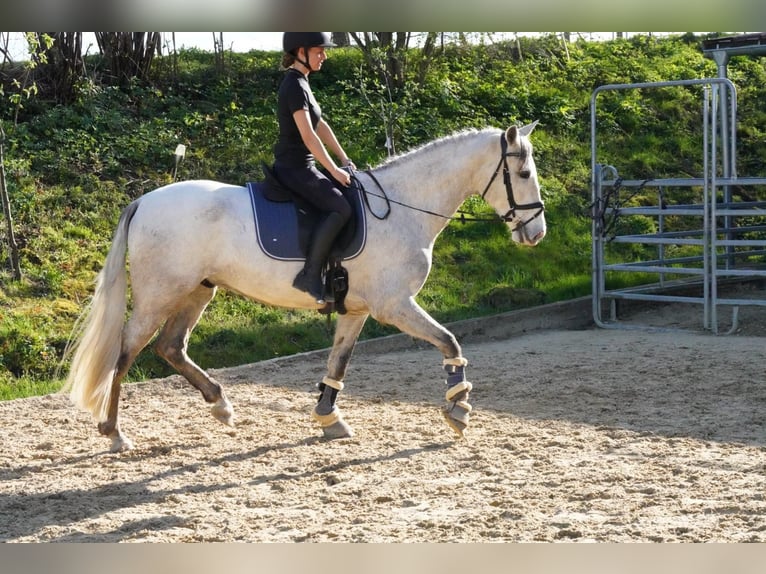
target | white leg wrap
[
  {"x": 464, "y": 405},
  {"x": 326, "y": 420},
  {"x": 456, "y": 361},
  {"x": 452, "y": 392},
  {"x": 333, "y": 384}
]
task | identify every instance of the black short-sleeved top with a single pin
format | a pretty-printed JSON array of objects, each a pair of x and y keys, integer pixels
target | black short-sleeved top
[{"x": 294, "y": 94}]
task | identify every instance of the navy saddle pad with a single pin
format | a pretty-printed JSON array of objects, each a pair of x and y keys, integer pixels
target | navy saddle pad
[{"x": 276, "y": 225}]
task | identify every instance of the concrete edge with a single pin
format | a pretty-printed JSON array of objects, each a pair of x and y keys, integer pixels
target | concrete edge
[
  {"x": 569, "y": 315},
  {"x": 574, "y": 314}
]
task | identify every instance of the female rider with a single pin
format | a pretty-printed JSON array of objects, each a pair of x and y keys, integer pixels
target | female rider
[{"x": 304, "y": 139}]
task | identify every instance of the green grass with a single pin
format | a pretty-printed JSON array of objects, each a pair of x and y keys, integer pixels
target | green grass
[{"x": 22, "y": 387}]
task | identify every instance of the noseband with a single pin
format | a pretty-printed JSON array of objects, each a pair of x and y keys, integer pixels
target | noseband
[{"x": 511, "y": 213}]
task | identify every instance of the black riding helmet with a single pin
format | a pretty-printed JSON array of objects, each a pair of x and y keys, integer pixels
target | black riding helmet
[{"x": 291, "y": 41}]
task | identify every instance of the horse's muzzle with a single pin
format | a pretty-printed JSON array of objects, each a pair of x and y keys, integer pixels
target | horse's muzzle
[
  {"x": 537, "y": 238},
  {"x": 526, "y": 236}
]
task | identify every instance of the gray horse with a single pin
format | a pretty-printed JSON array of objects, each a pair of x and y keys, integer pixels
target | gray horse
[{"x": 188, "y": 238}]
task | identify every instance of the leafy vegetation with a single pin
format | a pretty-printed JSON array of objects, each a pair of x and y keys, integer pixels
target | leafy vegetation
[{"x": 71, "y": 169}]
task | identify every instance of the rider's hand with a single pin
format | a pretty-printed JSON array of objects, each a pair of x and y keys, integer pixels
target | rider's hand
[{"x": 342, "y": 176}]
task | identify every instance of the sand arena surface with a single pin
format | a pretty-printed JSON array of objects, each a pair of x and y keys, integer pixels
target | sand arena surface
[{"x": 577, "y": 435}]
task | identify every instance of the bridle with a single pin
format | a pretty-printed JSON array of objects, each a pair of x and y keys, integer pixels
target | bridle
[{"x": 510, "y": 215}]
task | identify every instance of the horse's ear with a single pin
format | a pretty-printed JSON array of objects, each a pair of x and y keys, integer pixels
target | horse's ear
[
  {"x": 527, "y": 129},
  {"x": 511, "y": 134}
]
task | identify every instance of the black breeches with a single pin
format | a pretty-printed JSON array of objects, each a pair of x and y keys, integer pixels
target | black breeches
[{"x": 315, "y": 188}]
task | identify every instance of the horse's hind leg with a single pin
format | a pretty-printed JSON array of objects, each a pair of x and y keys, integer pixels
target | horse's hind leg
[
  {"x": 172, "y": 344},
  {"x": 135, "y": 336},
  {"x": 326, "y": 412}
]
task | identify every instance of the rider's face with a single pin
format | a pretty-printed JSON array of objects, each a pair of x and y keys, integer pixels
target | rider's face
[{"x": 316, "y": 57}]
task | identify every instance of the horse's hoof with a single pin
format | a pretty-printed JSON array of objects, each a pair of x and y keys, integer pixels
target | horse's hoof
[
  {"x": 223, "y": 411},
  {"x": 457, "y": 418},
  {"x": 338, "y": 430},
  {"x": 121, "y": 443},
  {"x": 333, "y": 425}
]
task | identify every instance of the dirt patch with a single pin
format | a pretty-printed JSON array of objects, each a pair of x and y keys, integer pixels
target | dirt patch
[{"x": 577, "y": 435}]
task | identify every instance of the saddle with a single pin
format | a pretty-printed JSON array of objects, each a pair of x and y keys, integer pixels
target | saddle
[{"x": 284, "y": 224}]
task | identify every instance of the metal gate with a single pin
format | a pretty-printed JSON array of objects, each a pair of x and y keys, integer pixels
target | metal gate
[{"x": 681, "y": 239}]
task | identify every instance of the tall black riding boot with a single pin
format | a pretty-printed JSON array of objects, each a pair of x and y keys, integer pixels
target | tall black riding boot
[{"x": 310, "y": 278}]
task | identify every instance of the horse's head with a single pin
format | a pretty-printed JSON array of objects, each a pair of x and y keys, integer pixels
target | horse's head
[{"x": 517, "y": 199}]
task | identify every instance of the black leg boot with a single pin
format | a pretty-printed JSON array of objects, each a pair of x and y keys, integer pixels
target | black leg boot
[{"x": 310, "y": 278}]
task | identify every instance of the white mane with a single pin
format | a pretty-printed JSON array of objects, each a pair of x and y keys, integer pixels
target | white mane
[{"x": 433, "y": 145}]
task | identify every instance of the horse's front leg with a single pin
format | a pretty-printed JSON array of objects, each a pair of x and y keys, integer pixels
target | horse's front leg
[
  {"x": 326, "y": 412},
  {"x": 457, "y": 412},
  {"x": 410, "y": 318}
]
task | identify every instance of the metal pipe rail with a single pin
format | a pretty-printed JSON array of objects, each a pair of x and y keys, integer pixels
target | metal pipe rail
[{"x": 713, "y": 249}]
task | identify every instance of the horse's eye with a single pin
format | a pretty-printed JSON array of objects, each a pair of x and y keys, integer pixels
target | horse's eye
[{"x": 524, "y": 174}]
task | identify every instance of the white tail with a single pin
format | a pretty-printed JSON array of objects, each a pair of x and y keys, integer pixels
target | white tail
[{"x": 97, "y": 343}]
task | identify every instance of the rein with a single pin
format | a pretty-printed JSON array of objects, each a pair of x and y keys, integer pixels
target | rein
[
  {"x": 389, "y": 201},
  {"x": 510, "y": 215}
]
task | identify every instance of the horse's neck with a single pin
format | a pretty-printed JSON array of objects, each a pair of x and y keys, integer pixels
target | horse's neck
[{"x": 440, "y": 176}]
